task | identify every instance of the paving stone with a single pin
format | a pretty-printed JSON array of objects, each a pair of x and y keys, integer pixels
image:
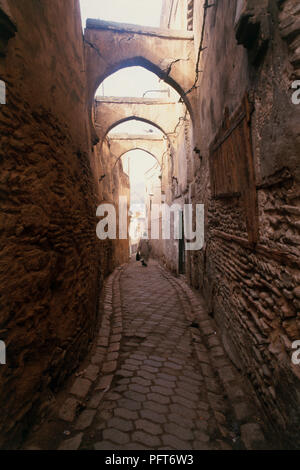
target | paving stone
[
  {"x": 169, "y": 392},
  {"x": 105, "y": 414},
  {"x": 105, "y": 445},
  {"x": 138, "y": 357},
  {"x": 81, "y": 387},
  {"x": 85, "y": 419},
  {"x": 162, "y": 390},
  {"x": 126, "y": 413},
  {"x": 150, "y": 369},
  {"x": 181, "y": 420},
  {"x": 151, "y": 363},
  {"x": 179, "y": 431},
  {"x": 133, "y": 362},
  {"x": 183, "y": 411},
  {"x": 157, "y": 358},
  {"x": 141, "y": 381},
  {"x": 167, "y": 377},
  {"x": 114, "y": 435},
  {"x": 130, "y": 404},
  {"x": 154, "y": 406},
  {"x": 200, "y": 445},
  {"x": 201, "y": 436},
  {"x": 69, "y": 410},
  {"x": 112, "y": 356},
  {"x": 139, "y": 388},
  {"x": 117, "y": 330},
  {"x": 176, "y": 360},
  {"x": 103, "y": 341},
  {"x": 187, "y": 387},
  {"x": 113, "y": 396},
  {"x": 72, "y": 444},
  {"x": 154, "y": 416},
  {"x": 115, "y": 338},
  {"x": 135, "y": 396},
  {"x": 175, "y": 443},
  {"x": 243, "y": 411},
  {"x": 148, "y": 426},
  {"x": 252, "y": 436},
  {"x": 188, "y": 395},
  {"x": 109, "y": 367},
  {"x": 146, "y": 439},
  {"x": 212, "y": 385},
  {"x": 129, "y": 367},
  {"x": 105, "y": 382},
  {"x": 202, "y": 405},
  {"x": 158, "y": 398},
  {"x": 184, "y": 401},
  {"x": 121, "y": 424},
  {"x": 202, "y": 414},
  {"x": 91, "y": 372},
  {"x": 114, "y": 347},
  {"x": 134, "y": 446},
  {"x": 96, "y": 400},
  {"x": 124, "y": 373},
  {"x": 216, "y": 401}
]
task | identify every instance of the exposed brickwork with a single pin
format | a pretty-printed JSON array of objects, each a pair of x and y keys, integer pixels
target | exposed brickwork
[{"x": 52, "y": 264}]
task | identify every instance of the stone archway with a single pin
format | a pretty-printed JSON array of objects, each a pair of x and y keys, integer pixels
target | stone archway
[
  {"x": 169, "y": 54},
  {"x": 110, "y": 112},
  {"x": 120, "y": 144}
]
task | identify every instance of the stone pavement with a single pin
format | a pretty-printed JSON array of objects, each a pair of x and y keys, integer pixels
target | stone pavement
[{"x": 157, "y": 378}]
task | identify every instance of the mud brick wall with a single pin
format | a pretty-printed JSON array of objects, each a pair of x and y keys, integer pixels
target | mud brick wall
[
  {"x": 50, "y": 261},
  {"x": 253, "y": 290},
  {"x": 113, "y": 183}
]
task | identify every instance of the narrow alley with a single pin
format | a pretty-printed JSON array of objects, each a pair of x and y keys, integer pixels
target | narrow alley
[
  {"x": 158, "y": 377},
  {"x": 149, "y": 225}
]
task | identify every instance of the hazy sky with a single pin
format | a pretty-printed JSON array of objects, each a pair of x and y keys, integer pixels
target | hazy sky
[
  {"x": 132, "y": 81},
  {"x": 135, "y": 127},
  {"x": 140, "y": 162},
  {"x": 142, "y": 12}
]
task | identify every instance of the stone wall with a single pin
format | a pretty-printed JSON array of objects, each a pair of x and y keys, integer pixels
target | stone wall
[
  {"x": 252, "y": 288},
  {"x": 50, "y": 258}
]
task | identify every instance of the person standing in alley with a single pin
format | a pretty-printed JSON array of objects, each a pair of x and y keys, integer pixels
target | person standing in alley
[{"x": 144, "y": 249}]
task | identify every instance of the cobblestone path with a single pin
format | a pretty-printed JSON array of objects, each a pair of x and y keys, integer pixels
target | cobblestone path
[{"x": 157, "y": 378}]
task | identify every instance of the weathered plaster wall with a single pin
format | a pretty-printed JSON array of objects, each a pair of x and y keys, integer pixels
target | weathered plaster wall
[
  {"x": 176, "y": 175},
  {"x": 50, "y": 261},
  {"x": 113, "y": 184}
]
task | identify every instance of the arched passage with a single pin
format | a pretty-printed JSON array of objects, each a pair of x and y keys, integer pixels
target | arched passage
[
  {"x": 141, "y": 150},
  {"x": 169, "y": 54},
  {"x": 168, "y": 147},
  {"x": 109, "y": 111},
  {"x": 119, "y": 144},
  {"x": 146, "y": 64}
]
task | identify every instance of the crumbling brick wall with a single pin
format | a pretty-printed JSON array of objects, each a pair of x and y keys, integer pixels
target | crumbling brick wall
[
  {"x": 50, "y": 260},
  {"x": 253, "y": 289},
  {"x": 251, "y": 280}
]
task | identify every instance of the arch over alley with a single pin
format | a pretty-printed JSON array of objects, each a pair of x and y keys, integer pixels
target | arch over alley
[
  {"x": 111, "y": 111},
  {"x": 120, "y": 144}
]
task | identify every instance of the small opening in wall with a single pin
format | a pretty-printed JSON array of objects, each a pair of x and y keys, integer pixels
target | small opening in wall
[{"x": 2, "y": 92}]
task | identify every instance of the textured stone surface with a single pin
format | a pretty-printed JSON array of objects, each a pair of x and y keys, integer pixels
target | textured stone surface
[
  {"x": 53, "y": 177},
  {"x": 173, "y": 406}
]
